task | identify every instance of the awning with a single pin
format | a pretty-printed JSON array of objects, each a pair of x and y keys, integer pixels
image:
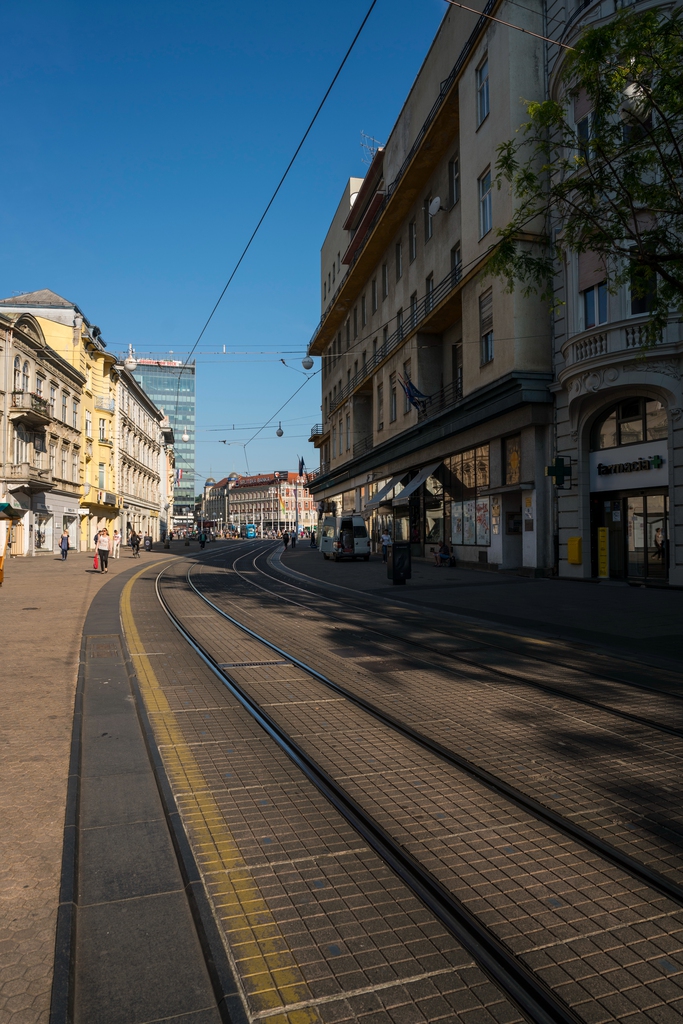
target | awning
[
  {"x": 415, "y": 482},
  {"x": 8, "y": 511},
  {"x": 377, "y": 500}
]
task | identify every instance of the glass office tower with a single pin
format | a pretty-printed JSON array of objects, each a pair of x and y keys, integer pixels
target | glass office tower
[{"x": 171, "y": 386}]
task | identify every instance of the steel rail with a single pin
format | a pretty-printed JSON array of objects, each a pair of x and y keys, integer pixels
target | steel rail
[
  {"x": 534, "y": 999},
  {"x": 643, "y": 688},
  {"x": 648, "y": 876}
]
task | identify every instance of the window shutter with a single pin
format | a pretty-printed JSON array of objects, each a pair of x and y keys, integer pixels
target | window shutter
[
  {"x": 591, "y": 270},
  {"x": 486, "y": 312}
]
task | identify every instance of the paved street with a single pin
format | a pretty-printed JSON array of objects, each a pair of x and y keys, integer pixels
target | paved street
[{"x": 313, "y": 925}]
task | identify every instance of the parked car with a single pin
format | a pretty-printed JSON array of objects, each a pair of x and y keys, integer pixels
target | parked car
[{"x": 344, "y": 537}]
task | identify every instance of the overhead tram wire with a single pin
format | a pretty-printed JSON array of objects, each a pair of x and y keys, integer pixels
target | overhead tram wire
[{"x": 277, "y": 189}]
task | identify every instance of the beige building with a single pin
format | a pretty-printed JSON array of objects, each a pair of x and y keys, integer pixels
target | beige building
[
  {"x": 270, "y": 502},
  {"x": 41, "y": 443},
  {"x": 436, "y": 409},
  {"x": 140, "y": 458},
  {"x": 619, "y": 407}
]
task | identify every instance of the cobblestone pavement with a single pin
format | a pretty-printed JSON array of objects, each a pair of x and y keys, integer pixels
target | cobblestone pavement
[
  {"x": 44, "y": 603},
  {"x": 612, "y": 947},
  {"x": 317, "y": 927}
]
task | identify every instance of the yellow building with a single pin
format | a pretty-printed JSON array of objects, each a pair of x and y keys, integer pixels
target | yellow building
[{"x": 68, "y": 331}]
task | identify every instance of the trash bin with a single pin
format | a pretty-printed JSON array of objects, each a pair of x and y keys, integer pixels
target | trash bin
[{"x": 398, "y": 562}]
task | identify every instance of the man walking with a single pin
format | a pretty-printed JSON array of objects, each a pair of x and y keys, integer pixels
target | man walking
[
  {"x": 385, "y": 541},
  {"x": 285, "y": 539}
]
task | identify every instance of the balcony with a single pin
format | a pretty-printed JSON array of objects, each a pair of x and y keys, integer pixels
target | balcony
[
  {"x": 413, "y": 319},
  {"x": 105, "y": 404},
  {"x": 106, "y": 441},
  {"x": 441, "y": 400},
  {"x": 624, "y": 338},
  {"x": 30, "y": 409},
  {"x": 365, "y": 444},
  {"x": 318, "y": 434},
  {"x": 29, "y": 477}
]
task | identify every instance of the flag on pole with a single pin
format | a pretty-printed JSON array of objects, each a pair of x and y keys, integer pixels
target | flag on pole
[{"x": 415, "y": 397}]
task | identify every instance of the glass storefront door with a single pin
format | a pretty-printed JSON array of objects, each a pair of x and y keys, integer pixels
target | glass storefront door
[{"x": 637, "y": 527}]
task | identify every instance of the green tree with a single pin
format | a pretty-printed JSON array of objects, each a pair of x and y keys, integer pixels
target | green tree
[{"x": 613, "y": 184}]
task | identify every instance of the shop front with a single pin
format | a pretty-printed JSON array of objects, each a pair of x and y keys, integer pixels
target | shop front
[{"x": 629, "y": 482}]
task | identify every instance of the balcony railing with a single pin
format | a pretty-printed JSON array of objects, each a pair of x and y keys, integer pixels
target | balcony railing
[
  {"x": 613, "y": 338},
  {"x": 445, "y": 88},
  {"x": 317, "y": 430},
  {"x": 416, "y": 315},
  {"x": 30, "y": 402},
  {"x": 442, "y": 399},
  {"x": 364, "y": 445},
  {"x": 105, "y": 404}
]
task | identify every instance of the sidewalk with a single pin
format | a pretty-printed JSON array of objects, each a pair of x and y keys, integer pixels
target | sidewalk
[
  {"x": 44, "y": 604},
  {"x": 637, "y": 620}
]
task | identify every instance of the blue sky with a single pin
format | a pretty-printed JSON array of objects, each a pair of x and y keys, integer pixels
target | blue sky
[{"x": 142, "y": 142}]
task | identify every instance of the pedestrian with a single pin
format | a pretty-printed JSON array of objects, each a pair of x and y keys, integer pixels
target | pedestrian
[
  {"x": 103, "y": 548},
  {"x": 116, "y": 544},
  {"x": 385, "y": 541},
  {"x": 293, "y": 538},
  {"x": 64, "y": 544},
  {"x": 285, "y": 539},
  {"x": 312, "y": 538},
  {"x": 202, "y": 540},
  {"x": 135, "y": 544}
]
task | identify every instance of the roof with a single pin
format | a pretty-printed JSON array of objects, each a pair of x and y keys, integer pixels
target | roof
[{"x": 43, "y": 297}]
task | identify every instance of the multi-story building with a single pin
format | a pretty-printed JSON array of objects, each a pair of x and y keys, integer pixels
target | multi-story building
[
  {"x": 41, "y": 442},
  {"x": 271, "y": 501},
  {"x": 171, "y": 386},
  {"x": 437, "y": 413},
  {"x": 139, "y": 451},
  {"x": 80, "y": 344},
  {"x": 167, "y": 477},
  {"x": 619, "y": 405}
]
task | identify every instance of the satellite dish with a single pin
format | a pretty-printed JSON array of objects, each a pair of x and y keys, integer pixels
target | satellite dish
[
  {"x": 434, "y": 206},
  {"x": 307, "y": 363}
]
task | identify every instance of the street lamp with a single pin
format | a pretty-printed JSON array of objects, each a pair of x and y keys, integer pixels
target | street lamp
[
  {"x": 307, "y": 363},
  {"x": 279, "y": 430},
  {"x": 185, "y": 436},
  {"x": 130, "y": 362}
]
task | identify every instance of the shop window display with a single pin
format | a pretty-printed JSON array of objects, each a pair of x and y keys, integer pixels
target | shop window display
[{"x": 467, "y": 474}]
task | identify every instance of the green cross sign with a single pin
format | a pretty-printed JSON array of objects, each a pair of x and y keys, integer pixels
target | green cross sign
[{"x": 559, "y": 471}]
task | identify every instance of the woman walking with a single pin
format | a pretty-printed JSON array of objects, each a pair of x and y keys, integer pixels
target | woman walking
[
  {"x": 116, "y": 544},
  {"x": 103, "y": 548},
  {"x": 64, "y": 544}
]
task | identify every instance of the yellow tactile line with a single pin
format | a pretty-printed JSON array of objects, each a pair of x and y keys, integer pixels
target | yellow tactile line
[{"x": 264, "y": 963}]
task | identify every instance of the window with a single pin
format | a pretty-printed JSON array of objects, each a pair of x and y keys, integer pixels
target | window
[
  {"x": 65, "y": 400},
  {"x": 643, "y": 286},
  {"x": 348, "y": 432},
  {"x": 412, "y": 241},
  {"x": 456, "y": 263},
  {"x": 486, "y": 327},
  {"x": 392, "y": 398},
  {"x": 385, "y": 280},
  {"x": 53, "y": 458},
  {"x": 25, "y": 379},
  {"x": 374, "y": 349},
  {"x": 334, "y": 270},
  {"x": 39, "y": 386},
  {"x": 406, "y": 378},
  {"x": 348, "y": 333},
  {"x": 324, "y": 290},
  {"x": 399, "y": 261},
  {"x": 456, "y": 358},
  {"x": 512, "y": 459},
  {"x": 385, "y": 337},
  {"x": 17, "y": 373},
  {"x": 20, "y": 445},
  {"x": 429, "y": 220},
  {"x": 74, "y": 467},
  {"x": 595, "y": 305},
  {"x": 373, "y": 295},
  {"x": 340, "y": 434},
  {"x": 485, "y": 217},
  {"x": 413, "y": 310},
  {"x": 65, "y": 457},
  {"x": 399, "y": 323},
  {"x": 363, "y": 312},
  {"x": 100, "y": 476},
  {"x": 380, "y": 406},
  {"x": 53, "y": 401},
  {"x": 583, "y": 134},
  {"x": 429, "y": 293},
  {"x": 355, "y": 323},
  {"x": 364, "y": 357},
  {"x": 467, "y": 475},
  {"x": 630, "y": 422},
  {"x": 103, "y": 430},
  {"x": 74, "y": 414},
  {"x": 454, "y": 180},
  {"x": 483, "y": 90}
]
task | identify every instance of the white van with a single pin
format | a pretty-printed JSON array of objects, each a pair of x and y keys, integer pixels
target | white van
[{"x": 345, "y": 537}]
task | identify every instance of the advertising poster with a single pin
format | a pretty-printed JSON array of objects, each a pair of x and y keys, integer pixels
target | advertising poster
[
  {"x": 469, "y": 520},
  {"x": 456, "y": 522},
  {"x": 483, "y": 521}
]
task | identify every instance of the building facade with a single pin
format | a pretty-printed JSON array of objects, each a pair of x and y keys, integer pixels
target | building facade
[
  {"x": 437, "y": 418},
  {"x": 271, "y": 502},
  {"x": 171, "y": 386},
  {"x": 619, "y": 405},
  {"x": 139, "y": 457},
  {"x": 41, "y": 442}
]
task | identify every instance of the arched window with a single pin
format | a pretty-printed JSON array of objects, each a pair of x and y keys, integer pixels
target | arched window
[
  {"x": 25, "y": 378},
  {"x": 17, "y": 373},
  {"x": 630, "y": 422}
]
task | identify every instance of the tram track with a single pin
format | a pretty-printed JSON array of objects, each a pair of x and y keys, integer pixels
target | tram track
[{"x": 533, "y": 997}]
